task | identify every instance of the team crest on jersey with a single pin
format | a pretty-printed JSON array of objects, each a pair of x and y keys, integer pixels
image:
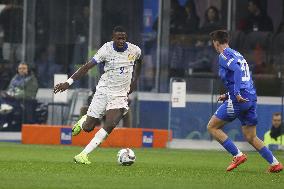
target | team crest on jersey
[{"x": 131, "y": 57}]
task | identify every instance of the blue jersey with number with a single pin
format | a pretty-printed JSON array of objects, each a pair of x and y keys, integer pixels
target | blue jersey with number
[{"x": 235, "y": 74}]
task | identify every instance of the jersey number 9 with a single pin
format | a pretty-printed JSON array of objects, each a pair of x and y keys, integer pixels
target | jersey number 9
[{"x": 121, "y": 70}]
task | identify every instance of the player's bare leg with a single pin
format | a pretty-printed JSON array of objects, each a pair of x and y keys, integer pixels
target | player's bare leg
[
  {"x": 112, "y": 119},
  {"x": 250, "y": 135},
  {"x": 214, "y": 127},
  {"x": 86, "y": 123}
]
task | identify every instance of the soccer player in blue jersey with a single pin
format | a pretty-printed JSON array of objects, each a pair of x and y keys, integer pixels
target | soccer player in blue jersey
[{"x": 239, "y": 102}]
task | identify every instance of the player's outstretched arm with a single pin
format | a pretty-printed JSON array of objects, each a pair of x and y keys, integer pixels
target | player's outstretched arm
[
  {"x": 137, "y": 73},
  {"x": 77, "y": 75}
]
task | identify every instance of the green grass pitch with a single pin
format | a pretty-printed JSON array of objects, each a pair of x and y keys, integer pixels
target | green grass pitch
[{"x": 37, "y": 166}]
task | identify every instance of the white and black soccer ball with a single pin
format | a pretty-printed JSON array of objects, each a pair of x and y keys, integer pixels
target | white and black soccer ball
[{"x": 126, "y": 157}]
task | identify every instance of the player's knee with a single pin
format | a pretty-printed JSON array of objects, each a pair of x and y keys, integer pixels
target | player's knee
[
  {"x": 90, "y": 124},
  {"x": 87, "y": 127},
  {"x": 249, "y": 137},
  {"x": 210, "y": 127}
]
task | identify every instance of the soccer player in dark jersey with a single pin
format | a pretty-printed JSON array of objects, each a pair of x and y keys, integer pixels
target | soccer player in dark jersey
[{"x": 240, "y": 102}]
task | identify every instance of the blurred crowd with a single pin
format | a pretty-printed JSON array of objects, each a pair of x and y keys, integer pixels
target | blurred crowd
[{"x": 190, "y": 48}]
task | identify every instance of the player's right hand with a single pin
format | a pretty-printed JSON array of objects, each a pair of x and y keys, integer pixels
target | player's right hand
[
  {"x": 61, "y": 87},
  {"x": 240, "y": 99}
]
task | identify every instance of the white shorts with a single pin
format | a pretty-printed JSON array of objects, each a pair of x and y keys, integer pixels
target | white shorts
[{"x": 102, "y": 102}]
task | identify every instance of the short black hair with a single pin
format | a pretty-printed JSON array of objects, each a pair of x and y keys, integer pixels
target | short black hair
[
  {"x": 222, "y": 36},
  {"x": 276, "y": 114},
  {"x": 118, "y": 29},
  {"x": 23, "y": 63}
]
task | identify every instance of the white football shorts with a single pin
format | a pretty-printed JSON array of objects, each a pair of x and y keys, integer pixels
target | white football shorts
[{"x": 102, "y": 102}]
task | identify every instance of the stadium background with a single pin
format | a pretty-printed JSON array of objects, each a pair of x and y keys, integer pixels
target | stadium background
[{"x": 56, "y": 37}]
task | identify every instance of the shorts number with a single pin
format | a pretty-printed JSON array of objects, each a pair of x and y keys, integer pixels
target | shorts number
[
  {"x": 245, "y": 70},
  {"x": 121, "y": 70}
]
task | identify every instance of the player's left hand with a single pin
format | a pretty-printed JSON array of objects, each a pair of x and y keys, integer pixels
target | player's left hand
[
  {"x": 222, "y": 98},
  {"x": 240, "y": 99},
  {"x": 61, "y": 87}
]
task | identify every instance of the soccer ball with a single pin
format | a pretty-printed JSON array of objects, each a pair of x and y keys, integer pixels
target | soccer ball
[{"x": 126, "y": 157}]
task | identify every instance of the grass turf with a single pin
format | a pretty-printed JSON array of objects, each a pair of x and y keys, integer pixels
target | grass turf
[{"x": 36, "y": 166}]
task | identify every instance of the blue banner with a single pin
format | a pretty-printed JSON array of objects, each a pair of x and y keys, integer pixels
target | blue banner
[
  {"x": 66, "y": 136},
  {"x": 147, "y": 139}
]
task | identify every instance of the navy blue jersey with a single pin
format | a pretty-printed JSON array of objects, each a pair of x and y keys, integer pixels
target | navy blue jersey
[{"x": 235, "y": 74}]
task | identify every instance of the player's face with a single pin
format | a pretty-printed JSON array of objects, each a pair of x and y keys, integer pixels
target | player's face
[
  {"x": 276, "y": 121},
  {"x": 211, "y": 15},
  {"x": 216, "y": 45},
  {"x": 23, "y": 69},
  {"x": 119, "y": 39}
]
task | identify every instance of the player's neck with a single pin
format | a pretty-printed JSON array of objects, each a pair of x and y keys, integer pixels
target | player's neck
[
  {"x": 125, "y": 46},
  {"x": 222, "y": 47}
]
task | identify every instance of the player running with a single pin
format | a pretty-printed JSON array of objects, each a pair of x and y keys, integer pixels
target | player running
[
  {"x": 239, "y": 102},
  {"x": 110, "y": 98}
]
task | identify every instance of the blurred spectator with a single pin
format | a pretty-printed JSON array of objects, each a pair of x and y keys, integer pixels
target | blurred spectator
[
  {"x": 81, "y": 34},
  {"x": 257, "y": 20},
  {"x": 212, "y": 20},
  {"x": 177, "y": 18},
  {"x": 47, "y": 67},
  {"x": 23, "y": 85},
  {"x": 276, "y": 127},
  {"x": 274, "y": 135},
  {"x": 11, "y": 21},
  {"x": 191, "y": 18},
  {"x": 17, "y": 101}
]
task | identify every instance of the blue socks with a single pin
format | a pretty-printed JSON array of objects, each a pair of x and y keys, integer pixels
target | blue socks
[
  {"x": 230, "y": 147},
  {"x": 267, "y": 155},
  {"x": 264, "y": 152}
]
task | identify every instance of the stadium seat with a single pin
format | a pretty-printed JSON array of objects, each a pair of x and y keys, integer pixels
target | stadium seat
[
  {"x": 194, "y": 135},
  {"x": 57, "y": 113},
  {"x": 78, "y": 100}
]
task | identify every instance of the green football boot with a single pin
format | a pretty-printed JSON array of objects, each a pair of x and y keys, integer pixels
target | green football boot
[
  {"x": 82, "y": 158},
  {"x": 76, "y": 129}
]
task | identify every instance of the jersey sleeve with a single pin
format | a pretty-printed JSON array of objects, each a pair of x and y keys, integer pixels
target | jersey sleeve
[
  {"x": 138, "y": 54},
  {"x": 233, "y": 65},
  {"x": 100, "y": 56}
]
